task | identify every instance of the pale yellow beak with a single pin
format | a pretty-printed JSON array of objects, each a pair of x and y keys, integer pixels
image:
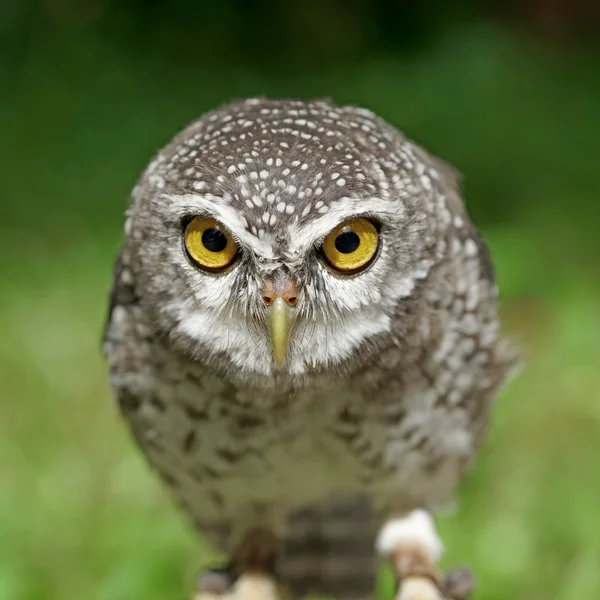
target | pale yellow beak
[{"x": 280, "y": 329}]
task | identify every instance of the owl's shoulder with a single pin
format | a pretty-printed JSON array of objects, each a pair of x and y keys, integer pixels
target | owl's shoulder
[
  {"x": 122, "y": 290},
  {"x": 127, "y": 340}
]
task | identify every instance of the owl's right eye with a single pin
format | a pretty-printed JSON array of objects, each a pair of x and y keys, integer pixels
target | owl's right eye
[{"x": 209, "y": 244}]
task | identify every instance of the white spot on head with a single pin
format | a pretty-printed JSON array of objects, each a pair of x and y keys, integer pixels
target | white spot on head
[{"x": 470, "y": 248}]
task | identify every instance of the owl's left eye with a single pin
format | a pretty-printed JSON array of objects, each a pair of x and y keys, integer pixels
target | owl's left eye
[
  {"x": 351, "y": 246},
  {"x": 209, "y": 244}
]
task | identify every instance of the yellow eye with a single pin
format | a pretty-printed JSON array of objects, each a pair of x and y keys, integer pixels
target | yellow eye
[
  {"x": 351, "y": 246},
  {"x": 210, "y": 244}
]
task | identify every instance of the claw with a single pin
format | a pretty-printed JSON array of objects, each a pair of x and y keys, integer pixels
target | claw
[
  {"x": 215, "y": 581},
  {"x": 419, "y": 588},
  {"x": 255, "y": 586},
  {"x": 249, "y": 586},
  {"x": 458, "y": 584}
]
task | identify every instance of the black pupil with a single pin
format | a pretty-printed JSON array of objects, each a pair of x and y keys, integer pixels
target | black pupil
[
  {"x": 214, "y": 240},
  {"x": 347, "y": 242}
]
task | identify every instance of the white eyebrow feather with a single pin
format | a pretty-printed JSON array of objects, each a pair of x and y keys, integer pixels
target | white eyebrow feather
[
  {"x": 216, "y": 207},
  {"x": 303, "y": 237}
]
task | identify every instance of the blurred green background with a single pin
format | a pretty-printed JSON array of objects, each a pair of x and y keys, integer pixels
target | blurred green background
[{"x": 507, "y": 91}]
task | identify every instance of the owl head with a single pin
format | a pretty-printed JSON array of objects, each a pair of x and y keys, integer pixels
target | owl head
[{"x": 278, "y": 237}]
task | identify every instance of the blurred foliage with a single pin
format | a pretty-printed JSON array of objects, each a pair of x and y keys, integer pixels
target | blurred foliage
[
  {"x": 89, "y": 89},
  {"x": 93, "y": 89}
]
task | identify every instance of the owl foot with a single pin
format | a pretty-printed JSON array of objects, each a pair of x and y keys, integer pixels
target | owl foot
[
  {"x": 413, "y": 547},
  {"x": 254, "y": 560},
  {"x": 249, "y": 586}
]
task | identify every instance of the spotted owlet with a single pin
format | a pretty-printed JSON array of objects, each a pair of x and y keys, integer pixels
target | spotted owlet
[{"x": 303, "y": 338}]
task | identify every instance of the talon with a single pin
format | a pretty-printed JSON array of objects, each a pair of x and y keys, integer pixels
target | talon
[
  {"x": 458, "y": 583},
  {"x": 249, "y": 586},
  {"x": 214, "y": 583},
  {"x": 255, "y": 586},
  {"x": 249, "y": 576},
  {"x": 419, "y": 588}
]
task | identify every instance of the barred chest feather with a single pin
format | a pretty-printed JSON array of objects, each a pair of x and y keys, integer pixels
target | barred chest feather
[{"x": 241, "y": 457}]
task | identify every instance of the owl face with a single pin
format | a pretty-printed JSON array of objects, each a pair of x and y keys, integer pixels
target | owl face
[{"x": 276, "y": 237}]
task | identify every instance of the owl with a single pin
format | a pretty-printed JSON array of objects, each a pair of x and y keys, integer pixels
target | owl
[{"x": 303, "y": 338}]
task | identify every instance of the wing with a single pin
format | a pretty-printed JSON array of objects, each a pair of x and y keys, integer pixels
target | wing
[
  {"x": 122, "y": 293},
  {"x": 469, "y": 352},
  {"x": 122, "y": 346},
  {"x": 452, "y": 179}
]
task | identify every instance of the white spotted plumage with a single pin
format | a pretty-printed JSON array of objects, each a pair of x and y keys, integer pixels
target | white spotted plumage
[{"x": 390, "y": 373}]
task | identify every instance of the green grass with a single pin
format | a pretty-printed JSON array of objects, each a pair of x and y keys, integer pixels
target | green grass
[{"x": 81, "y": 516}]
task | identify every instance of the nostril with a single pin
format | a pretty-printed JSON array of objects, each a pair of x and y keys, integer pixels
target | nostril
[
  {"x": 292, "y": 300},
  {"x": 267, "y": 300}
]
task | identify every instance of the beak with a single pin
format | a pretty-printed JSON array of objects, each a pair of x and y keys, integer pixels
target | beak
[
  {"x": 280, "y": 295},
  {"x": 280, "y": 329}
]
